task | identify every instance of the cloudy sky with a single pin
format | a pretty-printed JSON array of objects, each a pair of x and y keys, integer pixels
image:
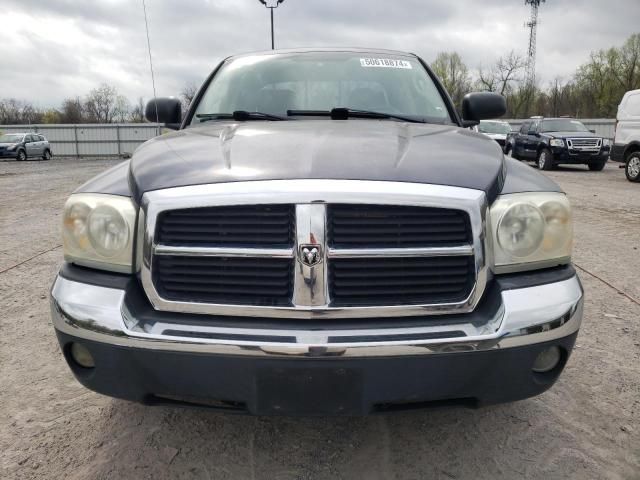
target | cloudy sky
[{"x": 54, "y": 49}]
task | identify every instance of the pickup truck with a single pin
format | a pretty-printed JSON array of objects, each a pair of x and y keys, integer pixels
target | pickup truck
[
  {"x": 552, "y": 141},
  {"x": 322, "y": 234}
]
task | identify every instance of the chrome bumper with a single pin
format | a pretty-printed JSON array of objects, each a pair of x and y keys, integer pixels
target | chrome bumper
[{"x": 526, "y": 316}]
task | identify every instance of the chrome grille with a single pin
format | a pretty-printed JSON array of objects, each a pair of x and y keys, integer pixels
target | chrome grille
[
  {"x": 591, "y": 145},
  {"x": 415, "y": 249}
]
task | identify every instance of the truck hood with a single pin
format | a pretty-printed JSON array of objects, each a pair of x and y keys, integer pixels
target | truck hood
[
  {"x": 219, "y": 152},
  {"x": 571, "y": 134}
]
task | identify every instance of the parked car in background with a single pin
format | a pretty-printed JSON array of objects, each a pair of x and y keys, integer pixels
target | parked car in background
[
  {"x": 553, "y": 141},
  {"x": 626, "y": 144},
  {"x": 495, "y": 129},
  {"x": 23, "y": 146}
]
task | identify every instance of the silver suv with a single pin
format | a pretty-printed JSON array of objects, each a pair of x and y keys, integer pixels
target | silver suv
[{"x": 23, "y": 146}]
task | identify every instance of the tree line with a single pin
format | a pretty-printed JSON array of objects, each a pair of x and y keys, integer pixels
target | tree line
[
  {"x": 593, "y": 91},
  {"x": 103, "y": 104}
]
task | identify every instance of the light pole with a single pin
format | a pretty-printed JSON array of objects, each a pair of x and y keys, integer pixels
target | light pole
[{"x": 271, "y": 5}]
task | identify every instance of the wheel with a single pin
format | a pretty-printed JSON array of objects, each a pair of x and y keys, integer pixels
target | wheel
[
  {"x": 632, "y": 167},
  {"x": 545, "y": 159},
  {"x": 46, "y": 155},
  {"x": 22, "y": 156},
  {"x": 597, "y": 167}
]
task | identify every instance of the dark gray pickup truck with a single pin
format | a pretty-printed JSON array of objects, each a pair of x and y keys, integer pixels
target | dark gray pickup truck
[{"x": 322, "y": 234}]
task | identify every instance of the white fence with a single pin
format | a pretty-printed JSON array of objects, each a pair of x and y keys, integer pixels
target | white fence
[{"x": 86, "y": 140}]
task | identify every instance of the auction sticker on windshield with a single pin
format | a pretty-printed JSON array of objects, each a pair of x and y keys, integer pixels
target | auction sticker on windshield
[{"x": 385, "y": 63}]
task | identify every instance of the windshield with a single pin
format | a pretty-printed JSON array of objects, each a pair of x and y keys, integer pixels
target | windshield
[
  {"x": 494, "y": 127},
  {"x": 10, "y": 138},
  {"x": 562, "y": 125},
  {"x": 276, "y": 83}
]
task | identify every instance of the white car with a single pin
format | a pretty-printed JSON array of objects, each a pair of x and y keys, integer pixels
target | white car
[
  {"x": 496, "y": 130},
  {"x": 626, "y": 145}
]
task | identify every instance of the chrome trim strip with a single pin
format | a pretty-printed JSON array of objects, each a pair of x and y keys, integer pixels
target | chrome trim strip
[
  {"x": 465, "y": 250},
  {"x": 308, "y": 192},
  {"x": 310, "y": 285},
  {"x": 222, "y": 251},
  {"x": 527, "y": 316}
]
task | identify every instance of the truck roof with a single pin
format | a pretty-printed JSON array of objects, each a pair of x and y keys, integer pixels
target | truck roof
[{"x": 324, "y": 49}]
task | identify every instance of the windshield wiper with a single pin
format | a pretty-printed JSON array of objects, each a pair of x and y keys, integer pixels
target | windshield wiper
[
  {"x": 239, "y": 115},
  {"x": 346, "y": 113}
]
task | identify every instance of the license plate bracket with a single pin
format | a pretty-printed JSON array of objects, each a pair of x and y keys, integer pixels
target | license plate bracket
[{"x": 309, "y": 391}]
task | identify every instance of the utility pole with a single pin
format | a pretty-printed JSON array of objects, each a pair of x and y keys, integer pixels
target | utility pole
[
  {"x": 271, "y": 5},
  {"x": 532, "y": 25},
  {"x": 530, "y": 72}
]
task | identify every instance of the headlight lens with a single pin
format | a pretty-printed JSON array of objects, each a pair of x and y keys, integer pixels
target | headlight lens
[
  {"x": 97, "y": 231},
  {"x": 530, "y": 230},
  {"x": 556, "y": 142},
  {"x": 606, "y": 142}
]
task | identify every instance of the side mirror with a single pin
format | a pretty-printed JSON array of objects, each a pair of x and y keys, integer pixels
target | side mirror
[
  {"x": 592, "y": 131},
  {"x": 532, "y": 132},
  {"x": 482, "y": 106},
  {"x": 164, "y": 110}
]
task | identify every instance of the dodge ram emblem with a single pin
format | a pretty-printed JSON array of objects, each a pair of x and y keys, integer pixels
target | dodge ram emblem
[{"x": 310, "y": 255}]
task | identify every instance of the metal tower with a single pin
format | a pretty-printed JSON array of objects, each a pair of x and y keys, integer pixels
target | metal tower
[{"x": 532, "y": 25}]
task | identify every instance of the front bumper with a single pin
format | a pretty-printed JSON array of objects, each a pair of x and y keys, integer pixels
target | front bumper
[
  {"x": 563, "y": 155},
  {"x": 8, "y": 153},
  {"x": 480, "y": 358}
]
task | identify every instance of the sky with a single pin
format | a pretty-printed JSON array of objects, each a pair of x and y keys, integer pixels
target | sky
[{"x": 54, "y": 49}]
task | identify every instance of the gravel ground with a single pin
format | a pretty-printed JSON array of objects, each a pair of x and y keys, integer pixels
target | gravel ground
[{"x": 587, "y": 426}]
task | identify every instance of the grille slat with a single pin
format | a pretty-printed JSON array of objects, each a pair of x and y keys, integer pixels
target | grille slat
[
  {"x": 225, "y": 280},
  {"x": 231, "y": 225},
  {"x": 381, "y": 226},
  {"x": 400, "y": 281}
]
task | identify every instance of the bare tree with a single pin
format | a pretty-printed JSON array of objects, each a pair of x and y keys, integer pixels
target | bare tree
[
  {"x": 71, "y": 111},
  {"x": 105, "y": 105},
  {"x": 137, "y": 112},
  {"x": 454, "y": 74},
  {"x": 507, "y": 69},
  {"x": 14, "y": 111},
  {"x": 187, "y": 95}
]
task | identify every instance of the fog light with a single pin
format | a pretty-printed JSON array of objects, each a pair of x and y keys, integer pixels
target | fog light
[
  {"x": 547, "y": 360},
  {"x": 82, "y": 356}
]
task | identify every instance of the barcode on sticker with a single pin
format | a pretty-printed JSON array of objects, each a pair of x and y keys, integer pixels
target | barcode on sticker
[{"x": 385, "y": 63}]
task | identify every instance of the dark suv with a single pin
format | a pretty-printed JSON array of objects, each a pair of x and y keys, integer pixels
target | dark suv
[
  {"x": 552, "y": 141},
  {"x": 321, "y": 235}
]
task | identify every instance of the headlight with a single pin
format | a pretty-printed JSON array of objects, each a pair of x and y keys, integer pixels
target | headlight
[
  {"x": 556, "y": 142},
  {"x": 530, "y": 230},
  {"x": 606, "y": 142},
  {"x": 98, "y": 231}
]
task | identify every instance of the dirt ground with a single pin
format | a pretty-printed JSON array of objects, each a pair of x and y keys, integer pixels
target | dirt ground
[{"x": 586, "y": 427}]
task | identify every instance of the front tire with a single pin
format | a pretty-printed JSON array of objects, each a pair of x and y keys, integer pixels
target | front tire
[
  {"x": 545, "y": 159},
  {"x": 46, "y": 155},
  {"x": 632, "y": 167},
  {"x": 597, "y": 167},
  {"x": 22, "y": 156}
]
